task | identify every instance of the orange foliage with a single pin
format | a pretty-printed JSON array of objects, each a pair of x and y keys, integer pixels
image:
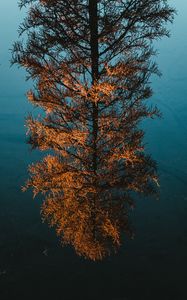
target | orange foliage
[{"x": 91, "y": 62}]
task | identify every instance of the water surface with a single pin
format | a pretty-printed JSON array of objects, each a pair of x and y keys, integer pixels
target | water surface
[{"x": 153, "y": 265}]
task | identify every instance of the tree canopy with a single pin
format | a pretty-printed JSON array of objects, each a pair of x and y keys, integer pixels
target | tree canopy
[{"x": 91, "y": 62}]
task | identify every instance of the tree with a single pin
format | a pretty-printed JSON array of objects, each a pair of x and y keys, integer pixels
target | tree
[{"x": 91, "y": 61}]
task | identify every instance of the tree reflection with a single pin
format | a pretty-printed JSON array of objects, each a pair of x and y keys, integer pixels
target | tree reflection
[{"x": 91, "y": 62}]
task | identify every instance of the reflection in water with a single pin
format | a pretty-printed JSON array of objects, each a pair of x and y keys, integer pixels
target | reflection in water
[{"x": 92, "y": 82}]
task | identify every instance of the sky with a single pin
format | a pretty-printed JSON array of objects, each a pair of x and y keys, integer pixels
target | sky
[{"x": 12, "y": 80}]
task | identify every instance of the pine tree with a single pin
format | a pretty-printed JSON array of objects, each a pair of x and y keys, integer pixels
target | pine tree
[{"x": 91, "y": 61}]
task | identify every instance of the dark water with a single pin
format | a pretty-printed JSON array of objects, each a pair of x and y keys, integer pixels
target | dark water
[{"x": 154, "y": 264}]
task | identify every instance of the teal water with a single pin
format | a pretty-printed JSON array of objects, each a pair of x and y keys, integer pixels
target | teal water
[{"x": 154, "y": 264}]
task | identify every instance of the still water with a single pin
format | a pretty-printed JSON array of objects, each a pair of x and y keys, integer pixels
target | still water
[{"x": 154, "y": 264}]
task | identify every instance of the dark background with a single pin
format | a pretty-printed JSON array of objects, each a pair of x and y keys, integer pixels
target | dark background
[{"x": 153, "y": 265}]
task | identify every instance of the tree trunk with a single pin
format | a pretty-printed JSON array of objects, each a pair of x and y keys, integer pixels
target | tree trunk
[{"x": 94, "y": 61}]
